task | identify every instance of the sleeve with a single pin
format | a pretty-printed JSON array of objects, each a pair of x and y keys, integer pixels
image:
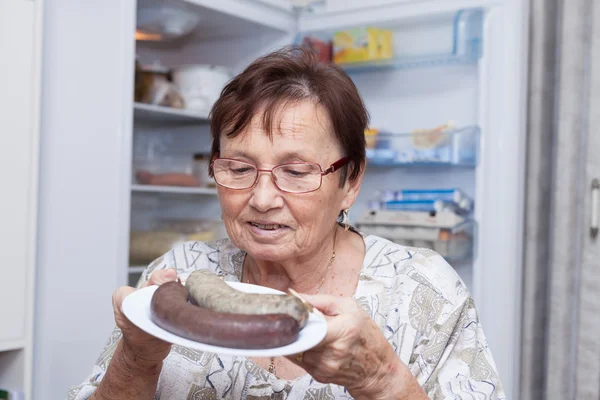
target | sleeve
[
  {"x": 453, "y": 360},
  {"x": 90, "y": 384}
]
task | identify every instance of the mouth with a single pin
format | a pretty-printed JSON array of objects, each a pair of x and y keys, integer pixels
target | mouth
[{"x": 267, "y": 226}]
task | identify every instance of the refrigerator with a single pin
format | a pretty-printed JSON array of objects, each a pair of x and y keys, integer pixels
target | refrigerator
[{"x": 447, "y": 113}]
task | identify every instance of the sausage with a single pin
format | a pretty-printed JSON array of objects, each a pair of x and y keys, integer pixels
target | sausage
[
  {"x": 208, "y": 290},
  {"x": 171, "y": 310}
]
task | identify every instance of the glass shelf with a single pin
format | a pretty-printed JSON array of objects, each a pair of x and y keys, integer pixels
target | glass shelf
[
  {"x": 457, "y": 147},
  {"x": 460, "y": 43},
  {"x": 174, "y": 189},
  {"x": 160, "y": 114}
]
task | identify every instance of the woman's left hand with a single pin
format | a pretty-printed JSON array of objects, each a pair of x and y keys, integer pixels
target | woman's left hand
[{"x": 356, "y": 355}]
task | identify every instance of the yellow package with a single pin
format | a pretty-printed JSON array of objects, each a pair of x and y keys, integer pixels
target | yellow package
[
  {"x": 385, "y": 44},
  {"x": 371, "y": 137},
  {"x": 362, "y": 44}
]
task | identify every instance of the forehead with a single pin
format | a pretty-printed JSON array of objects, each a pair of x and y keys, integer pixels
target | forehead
[{"x": 302, "y": 127}]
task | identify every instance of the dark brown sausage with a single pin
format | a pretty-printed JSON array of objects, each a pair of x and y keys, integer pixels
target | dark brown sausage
[{"x": 171, "y": 310}]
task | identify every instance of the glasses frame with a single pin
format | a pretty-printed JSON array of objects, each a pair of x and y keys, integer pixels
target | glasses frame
[{"x": 331, "y": 169}]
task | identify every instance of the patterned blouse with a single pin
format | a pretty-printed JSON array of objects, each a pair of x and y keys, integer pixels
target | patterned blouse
[{"x": 420, "y": 303}]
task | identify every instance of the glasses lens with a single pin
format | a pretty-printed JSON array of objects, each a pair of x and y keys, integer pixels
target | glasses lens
[
  {"x": 298, "y": 178},
  {"x": 234, "y": 174}
]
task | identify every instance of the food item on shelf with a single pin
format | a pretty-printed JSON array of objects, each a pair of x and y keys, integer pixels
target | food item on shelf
[
  {"x": 201, "y": 166},
  {"x": 371, "y": 137},
  {"x": 431, "y": 218},
  {"x": 194, "y": 229},
  {"x": 164, "y": 234},
  {"x": 448, "y": 234},
  {"x": 143, "y": 82},
  {"x": 323, "y": 49},
  {"x": 172, "y": 310},
  {"x": 208, "y": 290},
  {"x": 168, "y": 96},
  {"x": 441, "y": 145},
  {"x": 430, "y": 138},
  {"x": 362, "y": 44},
  {"x": 153, "y": 86},
  {"x": 144, "y": 247},
  {"x": 444, "y": 219},
  {"x": 201, "y": 85},
  {"x": 167, "y": 179},
  {"x": 454, "y": 200}
]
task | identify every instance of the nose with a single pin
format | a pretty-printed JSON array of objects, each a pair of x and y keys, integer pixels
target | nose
[{"x": 265, "y": 194}]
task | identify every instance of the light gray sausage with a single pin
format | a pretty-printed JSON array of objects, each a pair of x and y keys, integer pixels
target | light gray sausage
[{"x": 210, "y": 291}]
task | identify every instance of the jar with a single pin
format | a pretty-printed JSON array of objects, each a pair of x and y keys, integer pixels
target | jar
[{"x": 200, "y": 170}]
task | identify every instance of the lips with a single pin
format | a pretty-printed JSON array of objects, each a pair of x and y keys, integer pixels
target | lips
[
  {"x": 267, "y": 231},
  {"x": 267, "y": 227}
]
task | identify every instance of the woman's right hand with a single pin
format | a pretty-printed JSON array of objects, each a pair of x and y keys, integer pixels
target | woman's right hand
[{"x": 146, "y": 350}]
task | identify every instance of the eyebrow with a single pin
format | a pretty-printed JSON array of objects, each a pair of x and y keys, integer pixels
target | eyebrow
[{"x": 286, "y": 156}]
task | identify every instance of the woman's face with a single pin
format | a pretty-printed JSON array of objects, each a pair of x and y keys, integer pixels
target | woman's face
[{"x": 301, "y": 222}]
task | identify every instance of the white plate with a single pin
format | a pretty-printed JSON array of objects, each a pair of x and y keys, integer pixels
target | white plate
[{"x": 136, "y": 308}]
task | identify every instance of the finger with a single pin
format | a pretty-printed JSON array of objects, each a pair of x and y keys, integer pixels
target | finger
[
  {"x": 161, "y": 276},
  {"x": 327, "y": 304},
  {"x": 335, "y": 330},
  {"x": 119, "y": 295}
]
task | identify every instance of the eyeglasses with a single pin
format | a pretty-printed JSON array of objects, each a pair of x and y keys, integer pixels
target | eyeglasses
[{"x": 291, "y": 177}]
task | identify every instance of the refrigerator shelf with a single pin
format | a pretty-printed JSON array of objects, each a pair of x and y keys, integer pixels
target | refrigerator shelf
[
  {"x": 457, "y": 147},
  {"x": 174, "y": 190},
  {"x": 160, "y": 114},
  {"x": 137, "y": 269},
  {"x": 459, "y": 44}
]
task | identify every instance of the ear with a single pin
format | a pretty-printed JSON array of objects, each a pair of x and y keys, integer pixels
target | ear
[{"x": 352, "y": 189}]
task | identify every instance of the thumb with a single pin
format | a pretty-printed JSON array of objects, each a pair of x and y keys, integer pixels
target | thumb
[
  {"x": 119, "y": 295},
  {"x": 161, "y": 276},
  {"x": 327, "y": 304}
]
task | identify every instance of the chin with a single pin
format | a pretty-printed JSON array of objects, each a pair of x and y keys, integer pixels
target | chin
[{"x": 267, "y": 252}]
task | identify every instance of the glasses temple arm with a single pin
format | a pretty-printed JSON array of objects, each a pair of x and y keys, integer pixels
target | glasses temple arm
[{"x": 336, "y": 165}]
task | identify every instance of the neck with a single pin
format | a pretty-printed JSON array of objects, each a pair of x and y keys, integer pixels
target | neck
[{"x": 303, "y": 274}]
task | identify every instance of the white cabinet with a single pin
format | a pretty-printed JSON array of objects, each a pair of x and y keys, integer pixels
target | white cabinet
[{"x": 19, "y": 133}]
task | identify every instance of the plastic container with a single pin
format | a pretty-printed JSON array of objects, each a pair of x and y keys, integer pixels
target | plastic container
[
  {"x": 200, "y": 85},
  {"x": 458, "y": 147},
  {"x": 450, "y": 39},
  {"x": 454, "y": 244},
  {"x": 166, "y": 233},
  {"x": 454, "y": 200}
]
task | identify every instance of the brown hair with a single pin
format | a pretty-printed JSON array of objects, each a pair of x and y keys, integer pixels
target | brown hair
[{"x": 286, "y": 77}]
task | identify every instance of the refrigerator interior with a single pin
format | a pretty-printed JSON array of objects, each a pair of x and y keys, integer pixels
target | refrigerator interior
[{"x": 433, "y": 79}]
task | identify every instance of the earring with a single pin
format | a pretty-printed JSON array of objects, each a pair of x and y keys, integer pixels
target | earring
[{"x": 345, "y": 219}]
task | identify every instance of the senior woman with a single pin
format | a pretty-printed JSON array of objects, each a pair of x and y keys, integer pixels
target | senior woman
[{"x": 288, "y": 157}]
